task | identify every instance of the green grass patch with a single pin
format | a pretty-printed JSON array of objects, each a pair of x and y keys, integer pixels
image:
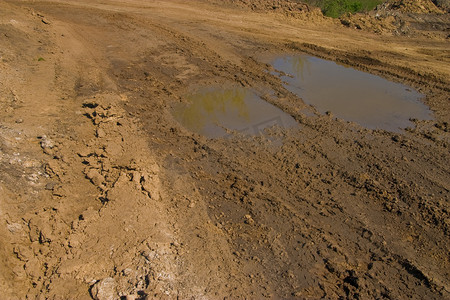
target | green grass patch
[
  {"x": 41, "y": 59},
  {"x": 337, "y": 8}
]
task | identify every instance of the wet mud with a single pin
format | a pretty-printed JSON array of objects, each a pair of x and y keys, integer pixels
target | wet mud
[{"x": 112, "y": 188}]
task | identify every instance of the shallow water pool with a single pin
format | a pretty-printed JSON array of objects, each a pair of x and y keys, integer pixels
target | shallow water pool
[
  {"x": 349, "y": 94},
  {"x": 217, "y": 112}
]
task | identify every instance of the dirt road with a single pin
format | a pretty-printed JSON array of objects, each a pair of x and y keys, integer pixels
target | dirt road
[{"x": 104, "y": 194}]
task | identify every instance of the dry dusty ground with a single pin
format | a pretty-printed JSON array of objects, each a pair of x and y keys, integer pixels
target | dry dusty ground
[{"x": 103, "y": 194}]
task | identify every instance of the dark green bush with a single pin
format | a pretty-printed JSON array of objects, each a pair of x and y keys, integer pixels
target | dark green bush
[{"x": 336, "y": 8}]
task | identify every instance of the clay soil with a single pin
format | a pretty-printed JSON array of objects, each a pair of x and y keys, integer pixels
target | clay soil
[{"x": 104, "y": 195}]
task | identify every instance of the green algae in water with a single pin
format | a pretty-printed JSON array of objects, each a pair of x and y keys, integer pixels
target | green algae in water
[{"x": 215, "y": 112}]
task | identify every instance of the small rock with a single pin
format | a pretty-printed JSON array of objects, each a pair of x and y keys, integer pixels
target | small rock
[
  {"x": 31, "y": 164},
  {"x": 47, "y": 143},
  {"x": 249, "y": 220},
  {"x": 50, "y": 186},
  {"x": 14, "y": 227},
  {"x": 105, "y": 289},
  {"x": 18, "y": 121}
]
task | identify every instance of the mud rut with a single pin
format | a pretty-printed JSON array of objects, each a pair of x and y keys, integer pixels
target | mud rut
[{"x": 104, "y": 194}]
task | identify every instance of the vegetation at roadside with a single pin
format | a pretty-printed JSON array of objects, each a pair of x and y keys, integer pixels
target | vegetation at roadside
[{"x": 336, "y": 8}]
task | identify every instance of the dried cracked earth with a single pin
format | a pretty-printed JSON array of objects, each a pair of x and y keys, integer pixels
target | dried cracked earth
[{"x": 104, "y": 195}]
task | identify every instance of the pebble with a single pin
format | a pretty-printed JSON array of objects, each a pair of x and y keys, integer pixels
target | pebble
[
  {"x": 14, "y": 227},
  {"x": 47, "y": 143},
  {"x": 50, "y": 186},
  {"x": 249, "y": 220},
  {"x": 104, "y": 289}
]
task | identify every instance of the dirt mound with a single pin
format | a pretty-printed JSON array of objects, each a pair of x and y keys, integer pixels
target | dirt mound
[
  {"x": 270, "y": 4},
  {"x": 403, "y": 17},
  {"x": 294, "y": 8},
  {"x": 405, "y": 6},
  {"x": 397, "y": 17},
  {"x": 369, "y": 23},
  {"x": 409, "y": 6}
]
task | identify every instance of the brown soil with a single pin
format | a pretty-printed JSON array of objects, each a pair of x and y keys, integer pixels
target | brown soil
[
  {"x": 103, "y": 194},
  {"x": 413, "y": 18}
]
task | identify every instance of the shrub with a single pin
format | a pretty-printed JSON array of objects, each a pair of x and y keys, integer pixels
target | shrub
[{"x": 336, "y": 8}]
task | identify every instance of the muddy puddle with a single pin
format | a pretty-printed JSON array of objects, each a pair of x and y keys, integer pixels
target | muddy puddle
[
  {"x": 217, "y": 112},
  {"x": 349, "y": 94}
]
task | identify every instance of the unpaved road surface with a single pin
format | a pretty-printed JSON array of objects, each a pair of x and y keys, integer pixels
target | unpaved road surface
[{"x": 104, "y": 194}]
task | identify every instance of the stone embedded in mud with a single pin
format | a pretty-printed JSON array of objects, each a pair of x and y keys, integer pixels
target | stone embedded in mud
[
  {"x": 105, "y": 289},
  {"x": 14, "y": 227},
  {"x": 249, "y": 220},
  {"x": 46, "y": 142},
  {"x": 50, "y": 186}
]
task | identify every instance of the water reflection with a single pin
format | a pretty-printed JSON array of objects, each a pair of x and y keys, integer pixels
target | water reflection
[
  {"x": 299, "y": 65},
  {"x": 352, "y": 95},
  {"x": 214, "y": 112}
]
